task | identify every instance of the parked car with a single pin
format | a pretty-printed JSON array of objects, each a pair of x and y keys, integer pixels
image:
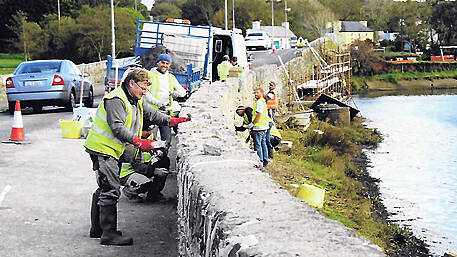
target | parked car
[
  {"x": 48, "y": 82},
  {"x": 293, "y": 42},
  {"x": 257, "y": 40}
]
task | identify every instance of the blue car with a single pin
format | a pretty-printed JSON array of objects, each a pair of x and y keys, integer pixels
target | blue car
[{"x": 48, "y": 83}]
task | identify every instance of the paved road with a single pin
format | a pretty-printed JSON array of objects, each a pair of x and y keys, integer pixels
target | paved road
[
  {"x": 46, "y": 212},
  {"x": 265, "y": 57}
]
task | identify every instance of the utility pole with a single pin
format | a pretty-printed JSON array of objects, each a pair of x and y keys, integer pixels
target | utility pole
[
  {"x": 226, "y": 22},
  {"x": 135, "y": 6},
  {"x": 233, "y": 14},
  {"x": 113, "y": 42},
  {"x": 58, "y": 9}
]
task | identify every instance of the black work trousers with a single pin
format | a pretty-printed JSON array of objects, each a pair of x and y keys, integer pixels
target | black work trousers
[{"x": 107, "y": 171}]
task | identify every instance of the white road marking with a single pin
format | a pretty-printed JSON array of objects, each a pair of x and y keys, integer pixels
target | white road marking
[{"x": 4, "y": 192}]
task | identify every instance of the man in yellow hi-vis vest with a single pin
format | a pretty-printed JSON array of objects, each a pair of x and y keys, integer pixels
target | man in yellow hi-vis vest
[
  {"x": 146, "y": 175},
  {"x": 223, "y": 68},
  {"x": 261, "y": 126},
  {"x": 164, "y": 87},
  {"x": 116, "y": 128}
]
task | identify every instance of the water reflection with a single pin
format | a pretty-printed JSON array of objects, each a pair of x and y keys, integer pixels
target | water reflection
[{"x": 417, "y": 162}]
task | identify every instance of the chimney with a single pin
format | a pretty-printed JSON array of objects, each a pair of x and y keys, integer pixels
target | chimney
[
  {"x": 364, "y": 23},
  {"x": 256, "y": 25}
]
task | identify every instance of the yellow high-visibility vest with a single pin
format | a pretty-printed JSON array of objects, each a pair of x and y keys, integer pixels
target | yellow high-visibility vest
[
  {"x": 155, "y": 86},
  {"x": 101, "y": 138},
  {"x": 223, "y": 70},
  {"x": 264, "y": 118}
]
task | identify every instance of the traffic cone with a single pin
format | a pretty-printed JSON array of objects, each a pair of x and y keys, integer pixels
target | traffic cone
[{"x": 17, "y": 131}]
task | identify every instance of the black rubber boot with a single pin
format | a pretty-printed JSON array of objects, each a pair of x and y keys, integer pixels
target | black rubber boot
[
  {"x": 108, "y": 223},
  {"x": 95, "y": 229},
  {"x": 154, "y": 188}
]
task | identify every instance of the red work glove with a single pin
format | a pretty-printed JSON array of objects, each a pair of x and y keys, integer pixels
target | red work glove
[
  {"x": 176, "y": 121},
  {"x": 143, "y": 144}
]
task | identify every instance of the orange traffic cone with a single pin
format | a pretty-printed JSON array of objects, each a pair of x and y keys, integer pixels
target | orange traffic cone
[{"x": 17, "y": 131}]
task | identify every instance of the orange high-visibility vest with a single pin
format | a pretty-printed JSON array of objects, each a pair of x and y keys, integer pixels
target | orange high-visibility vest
[{"x": 274, "y": 102}]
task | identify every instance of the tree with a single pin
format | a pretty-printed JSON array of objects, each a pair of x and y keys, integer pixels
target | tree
[
  {"x": 366, "y": 61},
  {"x": 29, "y": 36},
  {"x": 410, "y": 19},
  {"x": 443, "y": 21},
  {"x": 346, "y": 10},
  {"x": 162, "y": 11},
  {"x": 94, "y": 33},
  {"x": 60, "y": 38},
  {"x": 200, "y": 12}
]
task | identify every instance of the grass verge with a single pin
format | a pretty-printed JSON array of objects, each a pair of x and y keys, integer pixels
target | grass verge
[
  {"x": 332, "y": 160},
  {"x": 9, "y": 62}
]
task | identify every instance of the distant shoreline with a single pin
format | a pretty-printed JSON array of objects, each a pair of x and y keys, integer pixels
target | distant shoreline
[{"x": 423, "y": 86}]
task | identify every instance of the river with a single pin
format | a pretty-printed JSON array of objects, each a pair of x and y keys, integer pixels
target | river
[{"x": 417, "y": 163}]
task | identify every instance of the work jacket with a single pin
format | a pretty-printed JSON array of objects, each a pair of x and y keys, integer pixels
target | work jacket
[
  {"x": 155, "y": 87},
  {"x": 273, "y": 103},
  {"x": 101, "y": 138},
  {"x": 223, "y": 69},
  {"x": 264, "y": 118}
]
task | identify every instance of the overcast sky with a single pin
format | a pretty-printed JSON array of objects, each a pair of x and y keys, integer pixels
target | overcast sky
[{"x": 148, "y": 3}]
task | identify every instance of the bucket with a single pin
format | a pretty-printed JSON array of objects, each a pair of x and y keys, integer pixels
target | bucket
[
  {"x": 71, "y": 128},
  {"x": 312, "y": 195}
]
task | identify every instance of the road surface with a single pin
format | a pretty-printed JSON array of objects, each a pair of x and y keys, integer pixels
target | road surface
[
  {"x": 46, "y": 212},
  {"x": 265, "y": 57}
]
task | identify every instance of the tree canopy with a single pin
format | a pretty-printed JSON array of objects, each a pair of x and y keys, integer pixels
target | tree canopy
[{"x": 83, "y": 32}]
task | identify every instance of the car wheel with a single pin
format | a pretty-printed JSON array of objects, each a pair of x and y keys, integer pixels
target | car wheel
[
  {"x": 11, "y": 106},
  {"x": 71, "y": 101},
  {"x": 90, "y": 100}
]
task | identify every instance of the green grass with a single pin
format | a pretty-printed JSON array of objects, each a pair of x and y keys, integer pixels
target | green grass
[
  {"x": 326, "y": 160},
  {"x": 395, "y": 77},
  {"x": 10, "y": 61}
]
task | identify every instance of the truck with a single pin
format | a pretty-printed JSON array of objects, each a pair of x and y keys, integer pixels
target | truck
[{"x": 201, "y": 47}]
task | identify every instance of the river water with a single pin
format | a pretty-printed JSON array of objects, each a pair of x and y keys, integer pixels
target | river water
[{"x": 417, "y": 163}]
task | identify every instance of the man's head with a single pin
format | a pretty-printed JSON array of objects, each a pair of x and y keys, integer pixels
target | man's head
[
  {"x": 226, "y": 58},
  {"x": 137, "y": 82},
  {"x": 234, "y": 60},
  {"x": 163, "y": 63},
  {"x": 272, "y": 85},
  {"x": 258, "y": 92},
  {"x": 240, "y": 110}
]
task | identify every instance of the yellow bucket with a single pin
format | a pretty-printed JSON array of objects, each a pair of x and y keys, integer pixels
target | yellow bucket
[
  {"x": 312, "y": 195},
  {"x": 71, "y": 128}
]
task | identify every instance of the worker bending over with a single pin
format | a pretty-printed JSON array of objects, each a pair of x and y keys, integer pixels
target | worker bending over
[{"x": 118, "y": 123}]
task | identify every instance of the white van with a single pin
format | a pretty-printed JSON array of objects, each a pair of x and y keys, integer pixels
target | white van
[{"x": 231, "y": 43}]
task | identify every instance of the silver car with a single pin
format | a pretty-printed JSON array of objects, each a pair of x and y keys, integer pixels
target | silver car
[{"x": 48, "y": 83}]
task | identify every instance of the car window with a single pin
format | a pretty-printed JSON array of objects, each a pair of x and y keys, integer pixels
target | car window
[
  {"x": 75, "y": 69},
  {"x": 38, "y": 67},
  {"x": 255, "y": 35}
]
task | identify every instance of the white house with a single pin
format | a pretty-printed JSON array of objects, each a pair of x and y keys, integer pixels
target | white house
[{"x": 280, "y": 35}]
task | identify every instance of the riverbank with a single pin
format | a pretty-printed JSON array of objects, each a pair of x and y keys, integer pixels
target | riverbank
[
  {"x": 332, "y": 158},
  {"x": 404, "y": 82}
]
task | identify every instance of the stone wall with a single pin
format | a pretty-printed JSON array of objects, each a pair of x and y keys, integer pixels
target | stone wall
[{"x": 227, "y": 204}]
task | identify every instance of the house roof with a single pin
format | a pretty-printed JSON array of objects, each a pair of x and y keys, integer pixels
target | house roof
[
  {"x": 354, "y": 26},
  {"x": 278, "y": 31}
]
